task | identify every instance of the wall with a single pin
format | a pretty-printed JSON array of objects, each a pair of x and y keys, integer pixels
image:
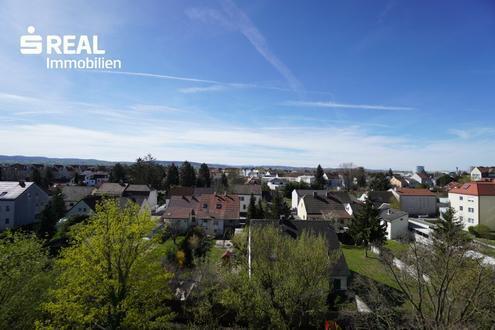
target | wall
[
  {"x": 4, "y": 214},
  {"x": 466, "y": 202},
  {"x": 419, "y": 205},
  {"x": 28, "y": 205},
  {"x": 487, "y": 211}
]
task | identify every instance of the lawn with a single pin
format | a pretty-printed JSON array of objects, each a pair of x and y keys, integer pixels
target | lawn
[
  {"x": 370, "y": 266},
  {"x": 396, "y": 247}
]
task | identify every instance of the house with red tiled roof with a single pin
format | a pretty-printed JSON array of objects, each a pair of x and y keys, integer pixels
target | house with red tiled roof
[
  {"x": 210, "y": 211},
  {"x": 474, "y": 203},
  {"x": 416, "y": 202}
]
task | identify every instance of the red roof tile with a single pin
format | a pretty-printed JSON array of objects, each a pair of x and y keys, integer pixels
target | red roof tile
[
  {"x": 414, "y": 192},
  {"x": 475, "y": 189},
  {"x": 206, "y": 206}
]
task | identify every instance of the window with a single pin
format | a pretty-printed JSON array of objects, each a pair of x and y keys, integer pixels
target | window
[
  {"x": 461, "y": 218},
  {"x": 243, "y": 207},
  {"x": 461, "y": 198},
  {"x": 241, "y": 198},
  {"x": 205, "y": 206},
  {"x": 470, "y": 220},
  {"x": 461, "y": 208},
  {"x": 7, "y": 221},
  {"x": 471, "y": 200},
  {"x": 7, "y": 208},
  {"x": 219, "y": 206},
  {"x": 470, "y": 209}
]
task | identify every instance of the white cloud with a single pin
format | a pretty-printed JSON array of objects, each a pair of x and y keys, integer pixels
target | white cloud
[{"x": 330, "y": 104}]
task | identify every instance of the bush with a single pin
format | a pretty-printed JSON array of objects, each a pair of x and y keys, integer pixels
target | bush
[{"x": 481, "y": 231}]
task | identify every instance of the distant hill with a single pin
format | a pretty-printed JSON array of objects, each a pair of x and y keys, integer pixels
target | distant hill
[{"x": 18, "y": 159}]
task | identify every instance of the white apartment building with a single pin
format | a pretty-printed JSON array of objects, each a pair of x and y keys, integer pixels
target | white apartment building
[{"x": 474, "y": 203}]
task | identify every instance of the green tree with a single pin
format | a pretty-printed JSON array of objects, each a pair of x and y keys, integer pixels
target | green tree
[
  {"x": 444, "y": 180},
  {"x": 361, "y": 177},
  {"x": 252, "y": 210},
  {"x": 204, "y": 179},
  {"x": 224, "y": 181},
  {"x": 279, "y": 207},
  {"x": 118, "y": 173},
  {"x": 379, "y": 182},
  {"x": 260, "y": 212},
  {"x": 147, "y": 171},
  {"x": 51, "y": 214},
  {"x": 36, "y": 177},
  {"x": 25, "y": 277},
  {"x": 366, "y": 227},
  {"x": 111, "y": 277},
  {"x": 172, "y": 178},
  {"x": 47, "y": 180},
  {"x": 320, "y": 181},
  {"x": 187, "y": 175},
  {"x": 290, "y": 186},
  {"x": 289, "y": 282}
]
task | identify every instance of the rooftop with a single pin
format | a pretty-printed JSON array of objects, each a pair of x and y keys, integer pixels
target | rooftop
[
  {"x": 12, "y": 189},
  {"x": 475, "y": 189},
  {"x": 414, "y": 192}
]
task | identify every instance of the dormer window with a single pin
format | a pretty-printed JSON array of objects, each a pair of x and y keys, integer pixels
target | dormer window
[
  {"x": 219, "y": 206},
  {"x": 205, "y": 206}
]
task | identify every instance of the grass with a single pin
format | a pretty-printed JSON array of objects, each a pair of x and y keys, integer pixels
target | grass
[
  {"x": 370, "y": 266},
  {"x": 396, "y": 247},
  {"x": 215, "y": 254}
]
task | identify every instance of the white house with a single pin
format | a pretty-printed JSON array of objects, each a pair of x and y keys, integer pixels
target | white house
[
  {"x": 276, "y": 183},
  {"x": 396, "y": 221},
  {"x": 297, "y": 194},
  {"x": 474, "y": 203},
  {"x": 481, "y": 172},
  {"x": 20, "y": 203},
  {"x": 308, "y": 179},
  {"x": 244, "y": 191}
]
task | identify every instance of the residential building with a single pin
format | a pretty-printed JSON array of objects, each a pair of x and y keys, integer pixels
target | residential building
[
  {"x": 215, "y": 213},
  {"x": 482, "y": 173},
  {"x": 398, "y": 181},
  {"x": 244, "y": 191},
  {"x": 111, "y": 189},
  {"x": 84, "y": 207},
  {"x": 297, "y": 194},
  {"x": 332, "y": 207},
  {"x": 95, "y": 179},
  {"x": 20, "y": 203},
  {"x": 396, "y": 221},
  {"x": 334, "y": 180},
  {"x": 474, "y": 203},
  {"x": 308, "y": 179},
  {"x": 378, "y": 198},
  {"x": 73, "y": 194},
  {"x": 416, "y": 202},
  {"x": 142, "y": 194},
  {"x": 339, "y": 274},
  {"x": 276, "y": 183}
]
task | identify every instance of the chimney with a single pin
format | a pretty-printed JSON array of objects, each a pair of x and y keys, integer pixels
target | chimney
[{"x": 22, "y": 183}]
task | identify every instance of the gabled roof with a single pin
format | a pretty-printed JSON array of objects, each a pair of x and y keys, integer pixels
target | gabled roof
[
  {"x": 475, "y": 189},
  {"x": 392, "y": 214},
  {"x": 302, "y": 192},
  {"x": 111, "y": 189},
  {"x": 246, "y": 189},
  {"x": 206, "y": 206},
  {"x": 486, "y": 169},
  {"x": 414, "y": 192},
  {"x": 320, "y": 206},
  {"x": 181, "y": 191},
  {"x": 13, "y": 189},
  {"x": 137, "y": 188},
  {"x": 76, "y": 193},
  {"x": 380, "y": 196}
]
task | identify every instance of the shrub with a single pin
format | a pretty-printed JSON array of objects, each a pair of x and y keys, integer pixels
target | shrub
[{"x": 481, "y": 231}]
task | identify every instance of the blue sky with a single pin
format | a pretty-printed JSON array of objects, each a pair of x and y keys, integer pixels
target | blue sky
[{"x": 378, "y": 83}]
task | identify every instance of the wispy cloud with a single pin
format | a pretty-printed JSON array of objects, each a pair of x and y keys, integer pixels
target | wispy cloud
[
  {"x": 470, "y": 133},
  {"x": 330, "y": 104},
  {"x": 231, "y": 16},
  {"x": 194, "y": 90}
]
